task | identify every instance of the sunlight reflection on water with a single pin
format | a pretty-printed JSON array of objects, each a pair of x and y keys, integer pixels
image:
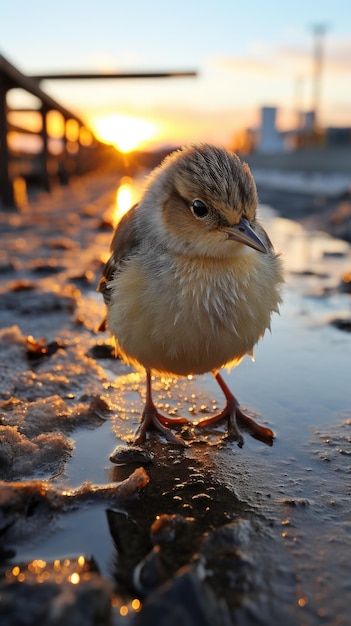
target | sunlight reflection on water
[{"x": 126, "y": 197}]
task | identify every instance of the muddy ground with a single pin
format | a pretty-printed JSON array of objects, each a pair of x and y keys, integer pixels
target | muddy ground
[{"x": 209, "y": 534}]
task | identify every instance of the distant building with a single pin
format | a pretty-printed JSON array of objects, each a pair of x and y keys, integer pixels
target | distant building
[
  {"x": 270, "y": 140},
  {"x": 267, "y": 139},
  {"x": 308, "y": 122},
  {"x": 338, "y": 136}
]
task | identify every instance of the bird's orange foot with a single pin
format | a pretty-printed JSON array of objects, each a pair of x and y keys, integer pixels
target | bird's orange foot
[
  {"x": 151, "y": 418},
  {"x": 234, "y": 417}
]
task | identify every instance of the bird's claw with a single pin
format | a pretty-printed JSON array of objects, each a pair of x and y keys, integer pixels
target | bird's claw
[
  {"x": 262, "y": 433},
  {"x": 233, "y": 431},
  {"x": 236, "y": 420},
  {"x": 232, "y": 414},
  {"x": 151, "y": 418}
]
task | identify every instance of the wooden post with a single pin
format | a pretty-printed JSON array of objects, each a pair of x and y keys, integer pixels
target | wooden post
[
  {"x": 6, "y": 188},
  {"x": 44, "y": 156},
  {"x": 63, "y": 173}
]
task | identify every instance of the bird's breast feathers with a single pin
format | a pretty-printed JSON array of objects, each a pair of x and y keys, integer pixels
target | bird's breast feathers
[{"x": 192, "y": 315}]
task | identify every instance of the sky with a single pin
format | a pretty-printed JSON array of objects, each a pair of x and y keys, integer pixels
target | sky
[{"x": 247, "y": 55}]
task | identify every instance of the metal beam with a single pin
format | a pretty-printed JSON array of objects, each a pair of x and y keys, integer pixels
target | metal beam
[
  {"x": 15, "y": 78},
  {"x": 20, "y": 129},
  {"x": 89, "y": 76}
]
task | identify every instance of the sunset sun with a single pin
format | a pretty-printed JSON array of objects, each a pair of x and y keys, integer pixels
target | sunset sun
[{"x": 126, "y": 133}]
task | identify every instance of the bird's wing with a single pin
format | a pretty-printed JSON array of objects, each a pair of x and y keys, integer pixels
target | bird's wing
[{"x": 124, "y": 244}]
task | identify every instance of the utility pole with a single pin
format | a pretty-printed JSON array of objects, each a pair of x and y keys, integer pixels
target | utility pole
[
  {"x": 298, "y": 99},
  {"x": 319, "y": 31}
]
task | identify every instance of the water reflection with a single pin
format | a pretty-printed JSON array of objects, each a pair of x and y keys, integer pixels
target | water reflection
[
  {"x": 126, "y": 196},
  {"x": 317, "y": 265},
  {"x": 304, "y": 250}
]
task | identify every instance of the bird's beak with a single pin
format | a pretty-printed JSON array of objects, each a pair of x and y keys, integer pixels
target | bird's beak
[{"x": 243, "y": 233}]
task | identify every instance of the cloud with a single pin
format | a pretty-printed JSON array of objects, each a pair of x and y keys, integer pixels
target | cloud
[
  {"x": 105, "y": 62},
  {"x": 336, "y": 54},
  {"x": 270, "y": 61},
  {"x": 247, "y": 65}
]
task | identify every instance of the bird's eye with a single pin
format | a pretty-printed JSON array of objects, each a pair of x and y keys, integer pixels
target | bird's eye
[{"x": 199, "y": 209}]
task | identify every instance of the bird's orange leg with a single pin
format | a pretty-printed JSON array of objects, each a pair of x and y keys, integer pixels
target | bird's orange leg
[
  {"x": 234, "y": 416},
  {"x": 151, "y": 418}
]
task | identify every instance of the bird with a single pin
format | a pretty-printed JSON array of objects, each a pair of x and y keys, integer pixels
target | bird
[{"x": 192, "y": 281}]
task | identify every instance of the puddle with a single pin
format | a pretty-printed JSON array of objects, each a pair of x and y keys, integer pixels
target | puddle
[
  {"x": 81, "y": 532},
  {"x": 89, "y": 461}
]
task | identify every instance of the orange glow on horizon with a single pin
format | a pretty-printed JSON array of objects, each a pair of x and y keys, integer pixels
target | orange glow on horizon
[
  {"x": 125, "y": 132},
  {"x": 159, "y": 128}
]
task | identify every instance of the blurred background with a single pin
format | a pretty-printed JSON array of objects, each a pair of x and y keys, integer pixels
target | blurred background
[
  {"x": 247, "y": 55},
  {"x": 249, "y": 76}
]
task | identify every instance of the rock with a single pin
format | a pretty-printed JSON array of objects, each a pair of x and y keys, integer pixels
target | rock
[
  {"x": 102, "y": 351},
  {"x": 46, "y": 267},
  {"x": 37, "y": 349},
  {"x": 85, "y": 279},
  {"x": 25, "y": 299},
  {"x": 186, "y": 602},
  {"x": 227, "y": 538},
  {"x": 70, "y": 593},
  {"x": 123, "y": 455},
  {"x": 342, "y": 324},
  {"x": 171, "y": 536}
]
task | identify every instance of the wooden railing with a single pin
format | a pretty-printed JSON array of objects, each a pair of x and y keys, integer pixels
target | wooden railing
[{"x": 73, "y": 157}]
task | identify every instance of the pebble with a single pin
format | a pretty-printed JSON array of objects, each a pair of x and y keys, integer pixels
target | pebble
[{"x": 123, "y": 455}]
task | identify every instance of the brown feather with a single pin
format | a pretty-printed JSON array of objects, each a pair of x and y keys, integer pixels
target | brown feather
[{"x": 124, "y": 245}]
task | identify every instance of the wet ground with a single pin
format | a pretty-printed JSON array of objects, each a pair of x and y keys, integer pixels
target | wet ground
[{"x": 210, "y": 534}]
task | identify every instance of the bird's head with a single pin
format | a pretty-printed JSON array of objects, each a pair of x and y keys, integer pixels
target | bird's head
[{"x": 208, "y": 203}]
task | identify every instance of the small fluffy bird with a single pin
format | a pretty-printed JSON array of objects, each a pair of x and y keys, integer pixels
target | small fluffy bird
[{"x": 192, "y": 279}]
